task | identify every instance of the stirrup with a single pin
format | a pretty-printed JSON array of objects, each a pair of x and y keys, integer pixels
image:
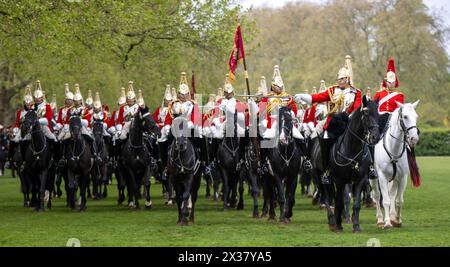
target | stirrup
[
  {"x": 325, "y": 178},
  {"x": 372, "y": 173},
  {"x": 307, "y": 166}
]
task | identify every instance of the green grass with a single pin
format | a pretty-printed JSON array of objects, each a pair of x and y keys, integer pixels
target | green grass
[{"x": 426, "y": 221}]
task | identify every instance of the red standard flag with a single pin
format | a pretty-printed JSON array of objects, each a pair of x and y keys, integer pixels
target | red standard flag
[{"x": 237, "y": 53}]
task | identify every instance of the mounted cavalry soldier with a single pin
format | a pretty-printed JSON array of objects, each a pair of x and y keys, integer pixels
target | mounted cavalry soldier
[
  {"x": 44, "y": 112},
  {"x": 78, "y": 109},
  {"x": 342, "y": 99},
  {"x": 388, "y": 96},
  {"x": 270, "y": 104},
  {"x": 161, "y": 112},
  {"x": 182, "y": 106},
  {"x": 61, "y": 123},
  {"x": 100, "y": 114},
  {"x": 126, "y": 113},
  {"x": 229, "y": 109},
  {"x": 16, "y": 137}
]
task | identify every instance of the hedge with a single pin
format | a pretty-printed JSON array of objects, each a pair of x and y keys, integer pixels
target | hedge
[{"x": 434, "y": 142}]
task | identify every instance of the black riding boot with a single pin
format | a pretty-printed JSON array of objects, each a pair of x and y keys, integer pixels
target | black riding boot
[
  {"x": 325, "y": 145},
  {"x": 301, "y": 143},
  {"x": 372, "y": 172},
  {"x": 264, "y": 165}
]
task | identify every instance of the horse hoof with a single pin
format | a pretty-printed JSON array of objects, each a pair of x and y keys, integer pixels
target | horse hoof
[
  {"x": 332, "y": 227},
  {"x": 323, "y": 207},
  {"x": 396, "y": 224},
  {"x": 148, "y": 204},
  {"x": 240, "y": 206},
  {"x": 256, "y": 215},
  {"x": 338, "y": 229},
  {"x": 380, "y": 224},
  {"x": 387, "y": 226},
  {"x": 356, "y": 230}
]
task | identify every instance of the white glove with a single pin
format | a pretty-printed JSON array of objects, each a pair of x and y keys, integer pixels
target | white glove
[
  {"x": 43, "y": 121},
  {"x": 216, "y": 121},
  {"x": 84, "y": 123},
  {"x": 58, "y": 127},
  {"x": 66, "y": 128},
  {"x": 190, "y": 124},
  {"x": 303, "y": 97},
  {"x": 105, "y": 126},
  {"x": 119, "y": 127},
  {"x": 112, "y": 130},
  {"x": 15, "y": 131},
  {"x": 311, "y": 126}
]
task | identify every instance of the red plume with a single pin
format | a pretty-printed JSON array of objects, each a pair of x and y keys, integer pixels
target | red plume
[{"x": 391, "y": 67}]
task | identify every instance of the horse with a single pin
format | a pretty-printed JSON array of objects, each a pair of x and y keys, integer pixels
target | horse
[
  {"x": 350, "y": 160},
  {"x": 229, "y": 153},
  {"x": 183, "y": 169},
  {"x": 38, "y": 159},
  {"x": 135, "y": 158},
  {"x": 78, "y": 153},
  {"x": 284, "y": 163},
  {"x": 391, "y": 164},
  {"x": 101, "y": 156},
  {"x": 16, "y": 163}
]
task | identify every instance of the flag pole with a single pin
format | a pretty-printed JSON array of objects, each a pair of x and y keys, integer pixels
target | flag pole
[{"x": 245, "y": 64}]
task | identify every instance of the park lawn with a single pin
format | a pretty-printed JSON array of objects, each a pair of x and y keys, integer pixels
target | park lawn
[{"x": 426, "y": 220}]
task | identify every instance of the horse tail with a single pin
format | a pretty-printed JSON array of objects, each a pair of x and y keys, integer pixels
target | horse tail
[{"x": 413, "y": 168}]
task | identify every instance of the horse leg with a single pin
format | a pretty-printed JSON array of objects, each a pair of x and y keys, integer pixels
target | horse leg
[
  {"x": 291, "y": 187},
  {"x": 186, "y": 194},
  {"x": 347, "y": 199},
  {"x": 340, "y": 190},
  {"x": 384, "y": 187},
  {"x": 83, "y": 182},
  {"x": 399, "y": 200},
  {"x": 358, "y": 188},
  {"x": 194, "y": 195},
  {"x": 216, "y": 180},
  {"x": 134, "y": 190},
  {"x": 281, "y": 198},
  {"x": 224, "y": 188},
  {"x": 376, "y": 195},
  {"x": 120, "y": 187},
  {"x": 148, "y": 201},
  {"x": 179, "y": 199},
  {"x": 255, "y": 192}
]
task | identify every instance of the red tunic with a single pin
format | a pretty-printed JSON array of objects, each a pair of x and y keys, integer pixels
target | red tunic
[
  {"x": 196, "y": 117},
  {"x": 264, "y": 103},
  {"x": 387, "y": 100},
  {"x": 112, "y": 120},
  {"x": 309, "y": 115},
  {"x": 325, "y": 97}
]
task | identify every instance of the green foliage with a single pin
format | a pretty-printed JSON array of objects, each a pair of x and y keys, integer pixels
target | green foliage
[
  {"x": 434, "y": 142},
  {"x": 310, "y": 41},
  {"x": 103, "y": 44}
]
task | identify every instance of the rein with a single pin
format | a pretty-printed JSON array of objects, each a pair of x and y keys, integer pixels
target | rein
[
  {"x": 33, "y": 147},
  {"x": 181, "y": 166}
]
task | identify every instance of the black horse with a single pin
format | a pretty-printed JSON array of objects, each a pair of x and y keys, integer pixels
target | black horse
[
  {"x": 229, "y": 154},
  {"x": 135, "y": 158},
  {"x": 183, "y": 170},
  {"x": 16, "y": 163},
  {"x": 78, "y": 153},
  {"x": 100, "y": 169},
  {"x": 38, "y": 159},
  {"x": 350, "y": 160},
  {"x": 285, "y": 161}
]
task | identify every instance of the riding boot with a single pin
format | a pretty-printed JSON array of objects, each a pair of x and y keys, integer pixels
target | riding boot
[
  {"x": 372, "y": 172},
  {"x": 301, "y": 143},
  {"x": 325, "y": 144},
  {"x": 264, "y": 165},
  {"x": 241, "y": 154}
]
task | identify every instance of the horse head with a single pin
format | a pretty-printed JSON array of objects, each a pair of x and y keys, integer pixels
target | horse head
[
  {"x": 75, "y": 126},
  {"x": 180, "y": 132},
  {"x": 30, "y": 121},
  {"x": 370, "y": 118},
  {"x": 285, "y": 126},
  {"x": 97, "y": 127},
  {"x": 148, "y": 123},
  {"x": 408, "y": 122}
]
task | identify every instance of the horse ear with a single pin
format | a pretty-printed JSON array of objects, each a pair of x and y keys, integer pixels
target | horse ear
[
  {"x": 416, "y": 103},
  {"x": 399, "y": 104},
  {"x": 364, "y": 101}
]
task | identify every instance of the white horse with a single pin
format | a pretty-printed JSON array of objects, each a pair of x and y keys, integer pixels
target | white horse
[{"x": 391, "y": 164}]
